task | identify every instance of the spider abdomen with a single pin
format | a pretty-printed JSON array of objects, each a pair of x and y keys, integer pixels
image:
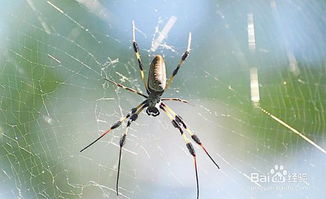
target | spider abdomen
[{"x": 157, "y": 75}]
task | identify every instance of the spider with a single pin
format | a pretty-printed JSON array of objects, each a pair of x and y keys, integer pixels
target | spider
[{"x": 155, "y": 87}]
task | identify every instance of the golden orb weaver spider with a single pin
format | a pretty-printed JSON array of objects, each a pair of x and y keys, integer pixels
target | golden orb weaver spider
[{"x": 155, "y": 87}]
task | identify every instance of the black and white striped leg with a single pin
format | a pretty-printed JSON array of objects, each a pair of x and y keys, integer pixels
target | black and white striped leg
[
  {"x": 122, "y": 142},
  {"x": 183, "y": 59},
  {"x": 127, "y": 88},
  {"x": 137, "y": 53},
  {"x": 116, "y": 124},
  {"x": 189, "y": 146},
  {"x": 194, "y": 137}
]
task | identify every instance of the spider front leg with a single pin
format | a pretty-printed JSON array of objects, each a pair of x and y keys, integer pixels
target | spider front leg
[
  {"x": 122, "y": 142},
  {"x": 191, "y": 149},
  {"x": 116, "y": 124},
  {"x": 195, "y": 138}
]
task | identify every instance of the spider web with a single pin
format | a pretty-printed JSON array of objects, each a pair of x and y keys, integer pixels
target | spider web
[{"x": 255, "y": 80}]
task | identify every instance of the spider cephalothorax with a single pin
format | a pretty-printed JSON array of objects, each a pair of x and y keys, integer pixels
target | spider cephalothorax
[
  {"x": 153, "y": 105},
  {"x": 155, "y": 87}
]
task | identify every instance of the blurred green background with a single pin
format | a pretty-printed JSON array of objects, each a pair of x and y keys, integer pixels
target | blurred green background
[{"x": 54, "y": 101}]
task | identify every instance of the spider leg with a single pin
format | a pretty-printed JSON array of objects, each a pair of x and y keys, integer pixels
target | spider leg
[
  {"x": 183, "y": 58},
  {"x": 127, "y": 88},
  {"x": 116, "y": 124},
  {"x": 175, "y": 99},
  {"x": 132, "y": 118},
  {"x": 191, "y": 149},
  {"x": 179, "y": 120},
  {"x": 136, "y": 49}
]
